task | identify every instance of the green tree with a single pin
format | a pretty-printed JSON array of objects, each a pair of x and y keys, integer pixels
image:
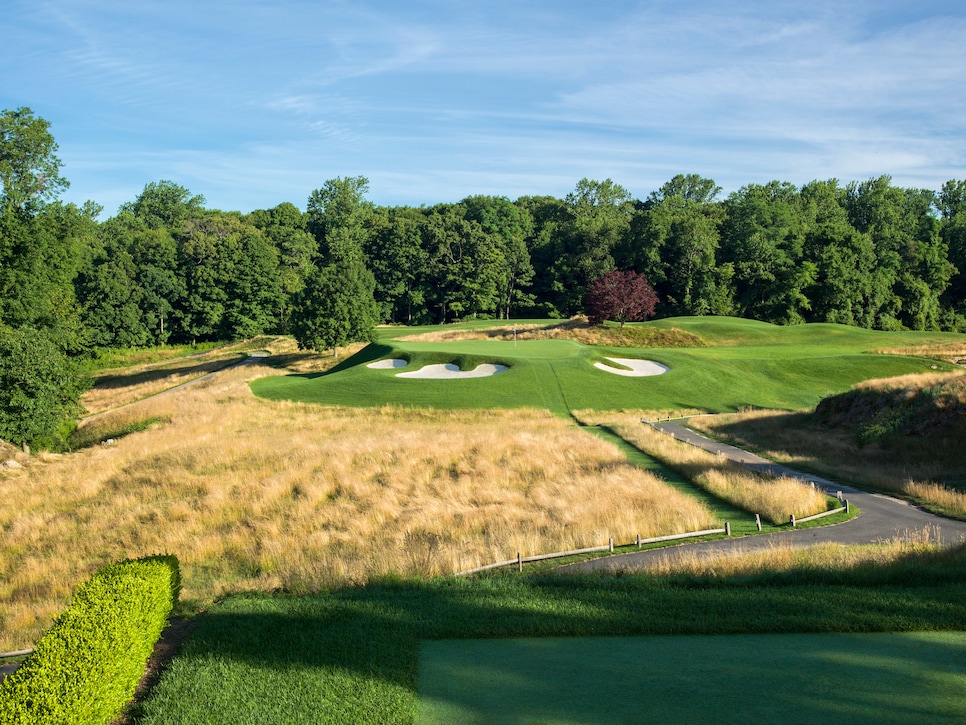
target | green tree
[
  {"x": 40, "y": 255},
  {"x": 336, "y": 307},
  {"x": 339, "y": 217},
  {"x": 547, "y": 245},
  {"x": 39, "y": 389},
  {"x": 398, "y": 262},
  {"x": 689, "y": 187},
  {"x": 674, "y": 240},
  {"x": 510, "y": 225},
  {"x": 29, "y": 167},
  {"x": 113, "y": 302},
  {"x": 157, "y": 287},
  {"x": 231, "y": 278},
  {"x": 165, "y": 205},
  {"x": 285, "y": 227},
  {"x": 577, "y": 240},
  {"x": 952, "y": 208},
  {"x": 762, "y": 237},
  {"x": 462, "y": 265},
  {"x": 909, "y": 250}
]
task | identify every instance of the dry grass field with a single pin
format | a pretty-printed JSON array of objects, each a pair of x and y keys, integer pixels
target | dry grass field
[
  {"x": 954, "y": 352},
  {"x": 128, "y": 385},
  {"x": 252, "y": 494},
  {"x": 576, "y": 329},
  {"x": 773, "y": 498},
  {"x": 782, "y": 558},
  {"x": 927, "y": 466}
]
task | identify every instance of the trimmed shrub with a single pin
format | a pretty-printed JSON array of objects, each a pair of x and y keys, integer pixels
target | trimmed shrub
[{"x": 87, "y": 665}]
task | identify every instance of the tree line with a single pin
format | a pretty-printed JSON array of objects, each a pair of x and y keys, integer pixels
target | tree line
[{"x": 167, "y": 269}]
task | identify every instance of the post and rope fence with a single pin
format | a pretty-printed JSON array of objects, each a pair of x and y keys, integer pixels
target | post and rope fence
[{"x": 520, "y": 560}]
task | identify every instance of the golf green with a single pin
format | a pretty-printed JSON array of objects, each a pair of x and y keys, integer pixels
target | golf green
[
  {"x": 790, "y": 678},
  {"x": 740, "y": 363}
]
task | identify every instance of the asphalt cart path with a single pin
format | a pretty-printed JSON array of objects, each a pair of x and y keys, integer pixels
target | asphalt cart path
[{"x": 881, "y": 517}]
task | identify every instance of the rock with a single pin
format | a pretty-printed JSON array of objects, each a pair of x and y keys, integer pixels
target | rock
[{"x": 11, "y": 464}]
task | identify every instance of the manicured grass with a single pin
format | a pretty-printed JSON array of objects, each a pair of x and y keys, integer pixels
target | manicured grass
[
  {"x": 353, "y": 655},
  {"x": 842, "y": 678},
  {"x": 743, "y": 363}
]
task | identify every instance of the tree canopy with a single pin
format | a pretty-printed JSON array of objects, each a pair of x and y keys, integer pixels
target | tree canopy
[
  {"x": 620, "y": 297},
  {"x": 167, "y": 269}
]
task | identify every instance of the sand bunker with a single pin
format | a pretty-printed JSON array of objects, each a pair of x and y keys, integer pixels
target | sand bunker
[
  {"x": 449, "y": 370},
  {"x": 389, "y": 364},
  {"x": 638, "y": 368}
]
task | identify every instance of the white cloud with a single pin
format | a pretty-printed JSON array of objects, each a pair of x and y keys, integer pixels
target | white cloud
[{"x": 250, "y": 103}]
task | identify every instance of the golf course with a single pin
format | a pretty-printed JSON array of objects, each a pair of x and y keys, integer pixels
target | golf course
[
  {"x": 737, "y": 363},
  {"x": 506, "y": 649},
  {"x": 321, "y": 505}
]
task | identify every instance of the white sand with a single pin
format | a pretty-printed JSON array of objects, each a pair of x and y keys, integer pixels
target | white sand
[
  {"x": 449, "y": 371},
  {"x": 388, "y": 364},
  {"x": 638, "y": 368}
]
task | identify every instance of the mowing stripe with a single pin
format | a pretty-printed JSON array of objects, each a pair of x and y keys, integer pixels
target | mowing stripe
[{"x": 796, "y": 678}]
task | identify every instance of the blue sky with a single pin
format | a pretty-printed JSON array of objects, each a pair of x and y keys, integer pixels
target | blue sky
[{"x": 254, "y": 103}]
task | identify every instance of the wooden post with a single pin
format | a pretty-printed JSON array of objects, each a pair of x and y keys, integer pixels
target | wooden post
[
  {"x": 848, "y": 508},
  {"x": 758, "y": 521},
  {"x": 791, "y": 520},
  {"x": 610, "y": 542},
  {"x": 638, "y": 541},
  {"x": 519, "y": 561},
  {"x": 727, "y": 528}
]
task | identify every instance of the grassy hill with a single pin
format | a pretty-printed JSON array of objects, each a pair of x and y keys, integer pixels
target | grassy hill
[
  {"x": 731, "y": 363},
  {"x": 932, "y": 406},
  {"x": 904, "y": 435}
]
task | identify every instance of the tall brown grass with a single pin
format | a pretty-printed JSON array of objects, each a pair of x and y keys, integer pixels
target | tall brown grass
[
  {"x": 116, "y": 387},
  {"x": 576, "y": 329},
  {"x": 255, "y": 494},
  {"x": 954, "y": 352},
  {"x": 775, "y": 499},
  {"x": 782, "y": 557},
  {"x": 930, "y": 470}
]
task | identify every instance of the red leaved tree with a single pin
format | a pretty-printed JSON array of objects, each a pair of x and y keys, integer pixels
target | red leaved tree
[{"x": 621, "y": 297}]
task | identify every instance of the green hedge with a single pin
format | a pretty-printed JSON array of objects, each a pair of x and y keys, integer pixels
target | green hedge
[{"x": 87, "y": 665}]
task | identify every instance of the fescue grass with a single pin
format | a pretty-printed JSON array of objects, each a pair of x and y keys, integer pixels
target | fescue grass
[
  {"x": 260, "y": 495},
  {"x": 109, "y": 429},
  {"x": 352, "y": 655},
  {"x": 121, "y": 386},
  {"x": 953, "y": 351},
  {"x": 126, "y": 357},
  {"x": 775, "y": 499},
  {"x": 576, "y": 329},
  {"x": 927, "y": 467}
]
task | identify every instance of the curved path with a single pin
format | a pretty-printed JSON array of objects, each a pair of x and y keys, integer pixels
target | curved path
[
  {"x": 881, "y": 517},
  {"x": 252, "y": 357}
]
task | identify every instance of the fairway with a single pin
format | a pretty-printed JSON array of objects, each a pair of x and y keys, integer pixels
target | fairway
[
  {"x": 740, "y": 363},
  {"x": 796, "y": 678}
]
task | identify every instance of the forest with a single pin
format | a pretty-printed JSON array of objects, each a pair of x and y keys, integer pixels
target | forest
[{"x": 166, "y": 269}]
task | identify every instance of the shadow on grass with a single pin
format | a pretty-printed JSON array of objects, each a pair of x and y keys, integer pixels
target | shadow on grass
[
  {"x": 369, "y": 353},
  {"x": 872, "y": 678},
  {"x": 357, "y": 648},
  {"x": 111, "y": 382}
]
